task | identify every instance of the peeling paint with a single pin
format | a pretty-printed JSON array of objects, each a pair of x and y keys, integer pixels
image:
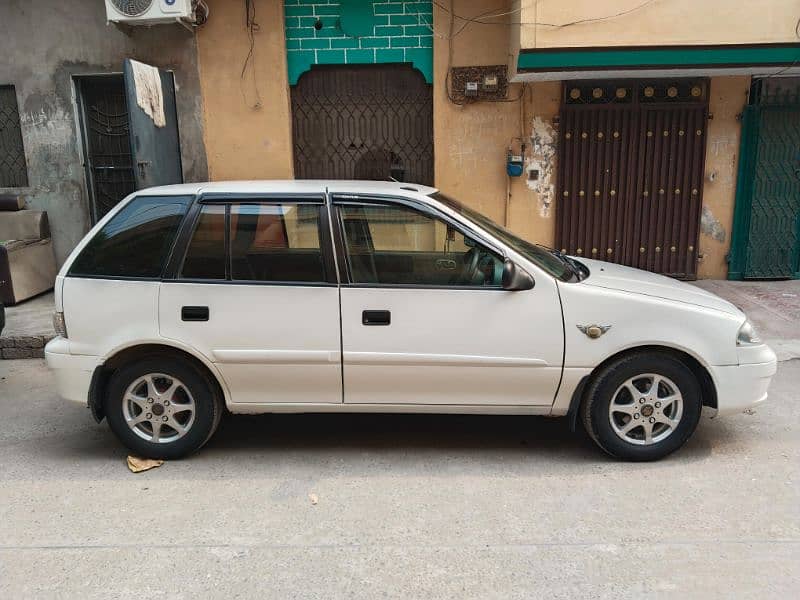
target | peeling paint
[
  {"x": 711, "y": 226},
  {"x": 542, "y": 159},
  {"x": 44, "y": 58}
]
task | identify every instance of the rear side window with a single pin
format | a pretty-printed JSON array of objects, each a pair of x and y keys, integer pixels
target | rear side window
[
  {"x": 136, "y": 241},
  {"x": 276, "y": 242},
  {"x": 205, "y": 256}
]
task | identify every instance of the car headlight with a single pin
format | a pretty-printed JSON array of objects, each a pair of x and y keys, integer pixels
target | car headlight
[{"x": 747, "y": 335}]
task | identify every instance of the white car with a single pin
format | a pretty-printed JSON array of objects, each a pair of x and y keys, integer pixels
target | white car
[{"x": 354, "y": 296}]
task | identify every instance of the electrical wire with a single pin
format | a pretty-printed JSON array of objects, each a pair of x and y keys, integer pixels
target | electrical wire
[
  {"x": 252, "y": 27},
  {"x": 485, "y": 14},
  {"x": 449, "y": 37},
  {"x": 479, "y": 19},
  {"x": 794, "y": 62}
]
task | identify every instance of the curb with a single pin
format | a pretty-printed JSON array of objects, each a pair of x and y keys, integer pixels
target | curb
[{"x": 23, "y": 346}]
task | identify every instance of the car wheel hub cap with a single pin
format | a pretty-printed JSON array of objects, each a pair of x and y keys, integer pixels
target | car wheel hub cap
[
  {"x": 158, "y": 408},
  {"x": 646, "y": 409}
]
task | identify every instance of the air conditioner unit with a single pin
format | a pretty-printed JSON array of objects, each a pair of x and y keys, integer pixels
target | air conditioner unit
[{"x": 149, "y": 12}]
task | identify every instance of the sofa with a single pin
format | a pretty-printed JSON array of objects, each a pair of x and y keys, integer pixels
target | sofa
[{"x": 27, "y": 262}]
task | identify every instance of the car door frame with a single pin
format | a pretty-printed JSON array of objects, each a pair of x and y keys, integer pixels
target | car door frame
[
  {"x": 337, "y": 198},
  {"x": 171, "y": 276},
  {"x": 186, "y": 230}
]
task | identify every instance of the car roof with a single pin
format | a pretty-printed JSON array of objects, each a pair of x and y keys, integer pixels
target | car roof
[{"x": 290, "y": 186}]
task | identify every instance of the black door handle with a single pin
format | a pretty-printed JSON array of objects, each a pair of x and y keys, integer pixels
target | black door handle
[
  {"x": 376, "y": 317},
  {"x": 194, "y": 313}
]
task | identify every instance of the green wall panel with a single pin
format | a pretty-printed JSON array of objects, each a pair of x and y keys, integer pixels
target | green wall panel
[
  {"x": 358, "y": 32},
  {"x": 686, "y": 56}
]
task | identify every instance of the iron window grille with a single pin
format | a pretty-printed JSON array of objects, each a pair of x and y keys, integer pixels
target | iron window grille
[{"x": 13, "y": 168}]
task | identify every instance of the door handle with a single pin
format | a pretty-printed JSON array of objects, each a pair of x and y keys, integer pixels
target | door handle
[
  {"x": 376, "y": 317},
  {"x": 194, "y": 313}
]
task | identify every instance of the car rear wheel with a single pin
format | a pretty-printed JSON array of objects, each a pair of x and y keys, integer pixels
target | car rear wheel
[
  {"x": 643, "y": 406},
  {"x": 162, "y": 407}
]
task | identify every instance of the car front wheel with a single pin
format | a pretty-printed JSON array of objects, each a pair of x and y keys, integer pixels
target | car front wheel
[
  {"x": 642, "y": 407},
  {"x": 162, "y": 407}
]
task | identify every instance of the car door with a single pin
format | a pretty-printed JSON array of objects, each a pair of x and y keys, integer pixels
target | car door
[
  {"x": 425, "y": 320},
  {"x": 256, "y": 292}
]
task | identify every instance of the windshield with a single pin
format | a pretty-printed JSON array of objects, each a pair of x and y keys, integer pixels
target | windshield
[{"x": 551, "y": 261}]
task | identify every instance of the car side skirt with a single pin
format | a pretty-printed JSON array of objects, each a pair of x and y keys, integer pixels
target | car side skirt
[{"x": 455, "y": 409}]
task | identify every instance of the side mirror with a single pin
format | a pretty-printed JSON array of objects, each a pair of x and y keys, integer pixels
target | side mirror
[{"x": 514, "y": 278}]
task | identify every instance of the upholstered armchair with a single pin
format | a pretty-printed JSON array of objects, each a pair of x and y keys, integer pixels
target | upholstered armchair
[{"x": 27, "y": 263}]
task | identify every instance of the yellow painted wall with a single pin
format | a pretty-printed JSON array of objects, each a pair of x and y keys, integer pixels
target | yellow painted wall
[
  {"x": 658, "y": 23},
  {"x": 470, "y": 141},
  {"x": 727, "y": 100},
  {"x": 245, "y": 139}
]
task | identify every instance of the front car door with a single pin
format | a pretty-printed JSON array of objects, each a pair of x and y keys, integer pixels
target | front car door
[
  {"x": 425, "y": 320},
  {"x": 256, "y": 292}
]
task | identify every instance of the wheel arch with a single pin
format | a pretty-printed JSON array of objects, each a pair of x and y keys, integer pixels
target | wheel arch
[
  {"x": 124, "y": 356},
  {"x": 707, "y": 388}
]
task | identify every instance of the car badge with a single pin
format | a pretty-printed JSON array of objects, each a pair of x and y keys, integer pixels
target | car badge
[{"x": 594, "y": 331}]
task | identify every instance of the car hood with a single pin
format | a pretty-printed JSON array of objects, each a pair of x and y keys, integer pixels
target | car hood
[{"x": 636, "y": 281}]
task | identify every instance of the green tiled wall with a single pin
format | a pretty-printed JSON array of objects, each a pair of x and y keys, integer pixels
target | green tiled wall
[{"x": 401, "y": 32}]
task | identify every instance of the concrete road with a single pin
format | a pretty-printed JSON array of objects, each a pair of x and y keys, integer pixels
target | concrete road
[{"x": 408, "y": 507}]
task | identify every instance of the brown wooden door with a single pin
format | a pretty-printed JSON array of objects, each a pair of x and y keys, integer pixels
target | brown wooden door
[{"x": 630, "y": 174}]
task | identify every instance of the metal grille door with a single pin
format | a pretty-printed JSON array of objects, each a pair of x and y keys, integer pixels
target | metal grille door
[
  {"x": 630, "y": 173},
  {"x": 767, "y": 228},
  {"x": 363, "y": 122},
  {"x": 107, "y": 141}
]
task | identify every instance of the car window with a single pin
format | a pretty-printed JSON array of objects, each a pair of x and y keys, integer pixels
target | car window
[
  {"x": 276, "y": 242},
  {"x": 550, "y": 261},
  {"x": 394, "y": 244},
  {"x": 205, "y": 255},
  {"x": 136, "y": 241}
]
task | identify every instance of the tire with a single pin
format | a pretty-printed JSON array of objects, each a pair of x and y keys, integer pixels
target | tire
[
  {"x": 163, "y": 398},
  {"x": 620, "y": 406}
]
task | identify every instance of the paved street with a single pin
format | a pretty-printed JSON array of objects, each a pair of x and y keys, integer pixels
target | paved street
[{"x": 408, "y": 506}]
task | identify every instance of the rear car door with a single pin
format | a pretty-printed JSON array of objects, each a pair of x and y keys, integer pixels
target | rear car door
[
  {"x": 256, "y": 292},
  {"x": 425, "y": 320}
]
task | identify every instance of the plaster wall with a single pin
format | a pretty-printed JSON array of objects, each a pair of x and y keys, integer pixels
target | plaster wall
[
  {"x": 660, "y": 22},
  {"x": 727, "y": 100},
  {"x": 470, "y": 141},
  {"x": 248, "y": 127},
  {"x": 44, "y": 43}
]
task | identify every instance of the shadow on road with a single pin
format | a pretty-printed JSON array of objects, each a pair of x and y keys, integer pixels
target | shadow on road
[{"x": 512, "y": 437}]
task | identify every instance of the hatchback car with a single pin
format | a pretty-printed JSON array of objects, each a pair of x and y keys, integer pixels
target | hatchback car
[{"x": 352, "y": 296}]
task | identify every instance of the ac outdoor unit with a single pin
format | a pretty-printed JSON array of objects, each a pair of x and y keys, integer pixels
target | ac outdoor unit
[{"x": 149, "y": 12}]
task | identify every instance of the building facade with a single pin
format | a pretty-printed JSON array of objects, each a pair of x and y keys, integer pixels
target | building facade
[{"x": 664, "y": 135}]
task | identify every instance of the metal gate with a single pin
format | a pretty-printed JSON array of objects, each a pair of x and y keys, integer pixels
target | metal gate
[
  {"x": 363, "y": 122},
  {"x": 107, "y": 145},
  {"x": 631, "y": 159},
  {"x": 766, "y": 231}
]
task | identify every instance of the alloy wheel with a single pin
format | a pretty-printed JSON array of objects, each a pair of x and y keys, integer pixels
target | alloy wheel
[
  {"x": 158, "y": 408},
  {"x": 646, "y": 409}
]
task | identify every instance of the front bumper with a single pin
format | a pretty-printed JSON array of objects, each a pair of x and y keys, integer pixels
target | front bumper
[
  {"x": 742, "y": 386},
  {"x": 73, "y": 373}
]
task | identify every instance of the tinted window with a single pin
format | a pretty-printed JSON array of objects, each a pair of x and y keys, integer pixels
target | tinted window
[
  {"x": 205, "y": 256},
  {"x": 136, "y": 241},
  {"x": 550, "y": 261},
  {"x": 276, "y": 242},
  {"x": 394, "y": 244}
]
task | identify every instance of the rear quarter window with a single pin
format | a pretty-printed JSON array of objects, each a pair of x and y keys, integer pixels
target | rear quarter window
[{"x": 136, "y": 241}]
